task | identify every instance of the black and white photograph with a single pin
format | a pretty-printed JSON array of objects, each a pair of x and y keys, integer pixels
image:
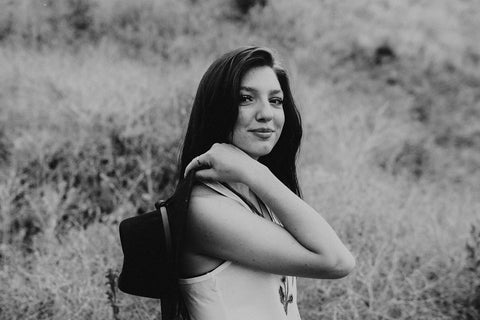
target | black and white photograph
[{"x": 239, "y": 160}]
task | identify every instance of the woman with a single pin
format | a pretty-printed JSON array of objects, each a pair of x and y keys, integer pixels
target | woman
[{"x": 242, "y": 140}]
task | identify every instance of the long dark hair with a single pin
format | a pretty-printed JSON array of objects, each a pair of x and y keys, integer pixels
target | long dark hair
[{"x": 213, "y": 116}]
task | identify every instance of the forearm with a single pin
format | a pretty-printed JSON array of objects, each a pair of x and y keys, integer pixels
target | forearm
[{"x": 306, "y": 225}]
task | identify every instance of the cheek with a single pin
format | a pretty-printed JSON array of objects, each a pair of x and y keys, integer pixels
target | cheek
[
  {"x": 238, "y": 128},
  {"x": 280, "y": 120},
  {"x": 242, "y": 122}
]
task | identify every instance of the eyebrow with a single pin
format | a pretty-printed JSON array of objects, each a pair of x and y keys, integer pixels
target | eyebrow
[{"x": 250, "y": 89}]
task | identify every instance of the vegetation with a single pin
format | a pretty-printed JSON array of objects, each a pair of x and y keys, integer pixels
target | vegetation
[{"x": 94, "y": 96}]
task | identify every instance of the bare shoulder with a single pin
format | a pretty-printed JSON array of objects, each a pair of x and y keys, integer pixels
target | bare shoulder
[{"x": 205, "y": 201}]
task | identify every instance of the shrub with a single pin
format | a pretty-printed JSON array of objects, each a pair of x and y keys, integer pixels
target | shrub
[
  {"x": 473, "y": 266},
  {"x": 5, "y": 148},
  {"x": 245, "y": 5}
]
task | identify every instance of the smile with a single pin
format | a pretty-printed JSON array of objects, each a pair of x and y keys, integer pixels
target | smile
[
  {"x": 262, "y": 133},
  {"x": 262, "y": 130}
]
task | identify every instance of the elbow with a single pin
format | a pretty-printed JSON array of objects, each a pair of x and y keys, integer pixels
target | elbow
[
  {"x": 339, "y": 266},
  {"x": 344, "y": 265}
]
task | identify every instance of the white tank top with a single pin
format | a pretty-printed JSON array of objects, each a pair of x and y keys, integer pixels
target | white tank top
[{"x": 235, "y": 292}]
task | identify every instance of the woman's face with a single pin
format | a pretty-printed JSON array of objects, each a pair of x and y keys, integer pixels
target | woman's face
[{"x": 260, "y": 113}]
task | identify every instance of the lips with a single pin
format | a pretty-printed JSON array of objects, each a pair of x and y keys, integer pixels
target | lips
[
  {"x": 262, "y": 130},
  {"x": 262, "y": 133}
]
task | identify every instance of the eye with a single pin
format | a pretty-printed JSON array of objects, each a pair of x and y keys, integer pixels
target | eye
[
  {"x": 276, "y": 101},
  {"x": 245, "y": 99}
]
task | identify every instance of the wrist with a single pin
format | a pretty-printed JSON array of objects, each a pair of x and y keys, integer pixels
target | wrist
[{"x": 256, "y": 173}]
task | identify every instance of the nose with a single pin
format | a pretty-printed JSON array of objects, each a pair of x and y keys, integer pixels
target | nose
[{"x": 265, "y": 112}]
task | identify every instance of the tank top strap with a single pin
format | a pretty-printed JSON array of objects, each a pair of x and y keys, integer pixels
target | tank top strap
[{"x": 272, "y": 215}]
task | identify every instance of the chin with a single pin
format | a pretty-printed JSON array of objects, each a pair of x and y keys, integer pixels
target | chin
[{"x": 258, "y": 152}]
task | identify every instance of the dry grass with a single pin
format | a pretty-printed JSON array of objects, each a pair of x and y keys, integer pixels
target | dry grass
[{"x": 93, "y": 102}]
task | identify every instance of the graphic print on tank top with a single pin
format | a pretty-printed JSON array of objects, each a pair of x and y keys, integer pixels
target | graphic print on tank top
[{"x": 285, "y": 296}]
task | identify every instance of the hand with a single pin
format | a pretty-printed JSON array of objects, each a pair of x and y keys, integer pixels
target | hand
[{"x": 223, "y": 162}]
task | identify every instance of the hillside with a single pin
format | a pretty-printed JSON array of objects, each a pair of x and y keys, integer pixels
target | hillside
[{"x": 94, "y": 97}]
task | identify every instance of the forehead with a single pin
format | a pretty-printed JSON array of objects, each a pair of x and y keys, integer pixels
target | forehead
[{"x": 261, "y": 78}]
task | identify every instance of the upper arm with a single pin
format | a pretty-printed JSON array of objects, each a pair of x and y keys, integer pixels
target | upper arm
[{"x": 222, "y": 228}]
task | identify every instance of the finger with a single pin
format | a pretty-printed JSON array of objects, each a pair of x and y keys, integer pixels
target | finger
[
  {"x": 192, "y": 165},
  {"x": 206, "y": 174},
  {"x": 197, "y": 163}
]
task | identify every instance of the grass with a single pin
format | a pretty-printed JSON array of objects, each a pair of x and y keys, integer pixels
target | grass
[
  {"x": 94, "y": 98},
  {"x": 410, "y": 255}
]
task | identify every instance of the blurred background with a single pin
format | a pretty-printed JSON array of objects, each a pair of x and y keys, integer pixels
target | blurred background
[{"x": 94, "y": 99}]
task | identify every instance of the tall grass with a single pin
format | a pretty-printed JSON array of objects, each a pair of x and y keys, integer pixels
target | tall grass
[{"x": 94, "y": 98}]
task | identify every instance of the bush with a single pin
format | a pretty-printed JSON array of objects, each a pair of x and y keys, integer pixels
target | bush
[
  {"x": 473, "y": 267},
  {"x": 92, "y": 180}
]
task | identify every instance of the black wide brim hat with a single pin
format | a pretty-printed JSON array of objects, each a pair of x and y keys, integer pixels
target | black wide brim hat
[
  {"x": 151, "y": 243},
  {"x": 146, "y": 264}
]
